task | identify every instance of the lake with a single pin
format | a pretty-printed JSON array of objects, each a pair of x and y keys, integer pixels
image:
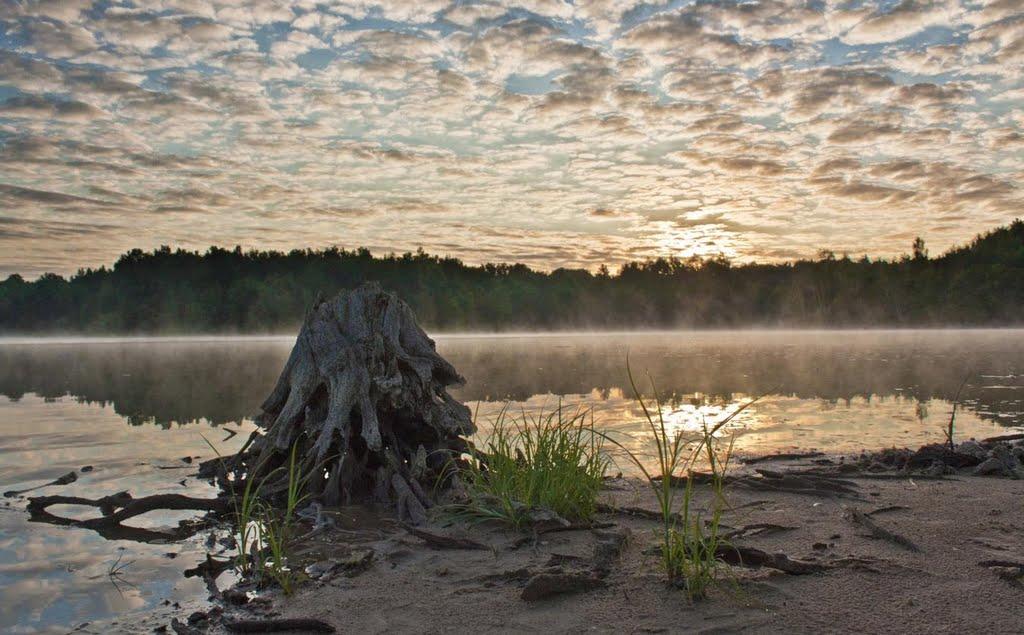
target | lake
[{"x": 133, "y": 409}]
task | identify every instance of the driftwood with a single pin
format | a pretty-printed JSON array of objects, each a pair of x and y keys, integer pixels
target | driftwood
[
  {"x": 756, "y": 558},
  {"x": 639, "y": 512},
  {"x": 757, "y": 529},
  {"x": 795, "y": 456},
  {"x": 438, "y": 541},
  {"x": 363, "y": 402},
  {"x": 547, "y": 585},
  {"x": 1003, "y": 438},
  {"x": 794, "y": 482},
  {"x": 797, "y": 483},
  {"x": 862, "y": 519},
  {"x": 537, "y": 532},
  {"x": 1011, "y": 564},
  {"x": 276, "y": 625},
  {"x": 66, "y": 479},
  {"x": 117, "y": 508},
  {"x": 887, "y": 509}
]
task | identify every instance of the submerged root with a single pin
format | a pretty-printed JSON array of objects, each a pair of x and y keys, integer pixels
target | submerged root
[{"x": 117, "y": 508}]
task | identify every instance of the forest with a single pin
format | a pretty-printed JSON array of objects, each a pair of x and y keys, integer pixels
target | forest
[{"x": 234, "y": 291}]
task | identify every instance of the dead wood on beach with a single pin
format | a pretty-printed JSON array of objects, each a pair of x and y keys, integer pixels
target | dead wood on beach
[
  {"x": 791, "y": 456},
  {"x": 756, "y": 558},
  {"x": 65, "y": 479},
  {"x": 860, "y": 518},
  {"x": 276, "y": 625},
  {"x": 117, "y": 508},
  {"x": 363, "y": 400},
  {"x": 439, "y": 541}
]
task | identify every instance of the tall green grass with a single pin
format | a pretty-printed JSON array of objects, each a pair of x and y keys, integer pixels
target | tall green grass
[
  {"x": 277, "y": 529},
  {"x": 263, "y": 533},
  {"x": 689, "y": 540},
  {"x": 550, "y": 461}
]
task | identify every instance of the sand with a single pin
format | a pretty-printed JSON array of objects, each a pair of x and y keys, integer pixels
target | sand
[{"x": 870, "y": 585}]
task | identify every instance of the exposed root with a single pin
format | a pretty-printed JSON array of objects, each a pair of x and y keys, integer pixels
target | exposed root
[{"x": 120, "y": 507}]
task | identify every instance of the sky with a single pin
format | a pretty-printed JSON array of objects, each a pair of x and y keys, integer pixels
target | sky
[{"x": 557, "y": 134}]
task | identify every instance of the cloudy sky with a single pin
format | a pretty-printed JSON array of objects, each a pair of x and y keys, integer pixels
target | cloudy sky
[{"x": 541, "y": 131}]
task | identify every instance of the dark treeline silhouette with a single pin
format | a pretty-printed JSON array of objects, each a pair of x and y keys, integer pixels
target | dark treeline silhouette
[{"x": 260, "y": 291}]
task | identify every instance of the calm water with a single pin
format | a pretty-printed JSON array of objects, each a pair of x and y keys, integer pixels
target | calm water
[{"x": 129, "y": 407}]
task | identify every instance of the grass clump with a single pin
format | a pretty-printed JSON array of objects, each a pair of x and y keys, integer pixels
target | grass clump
[
  {"x": 534, "y": 463},
  {"x": 277, "y": 530},
  {"x": 689, "y": 539}
]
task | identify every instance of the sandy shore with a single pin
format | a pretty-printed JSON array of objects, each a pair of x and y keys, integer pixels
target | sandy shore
[{"x": 868, "y": 584}]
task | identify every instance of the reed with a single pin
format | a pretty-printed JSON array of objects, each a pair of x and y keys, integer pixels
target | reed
[
  {"x": 689, "y": 540},
  {"x": 948, "y": 431},
  {"x": 277, "y": 529}
]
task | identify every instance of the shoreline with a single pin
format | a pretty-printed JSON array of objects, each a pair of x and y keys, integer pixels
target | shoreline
[
  {"x": 20, "y": 339},
  {"x": 958, "y": 524},
  {"x": 936, "y": 549}
]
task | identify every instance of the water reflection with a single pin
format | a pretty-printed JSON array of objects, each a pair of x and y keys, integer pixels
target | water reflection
[
  {"x": 56, "y": 578},
  {"x": 221, "y": 380},
  {"x": 67, "y": 404}
]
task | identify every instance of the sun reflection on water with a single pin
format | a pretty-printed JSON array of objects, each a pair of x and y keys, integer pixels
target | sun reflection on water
[{"x": 774, "y": 423}]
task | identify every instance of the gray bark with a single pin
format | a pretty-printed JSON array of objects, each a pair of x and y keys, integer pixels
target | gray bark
[{"x": 363, "y": 397}]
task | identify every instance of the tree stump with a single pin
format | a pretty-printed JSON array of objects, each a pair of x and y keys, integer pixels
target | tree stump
[{"x": 363, "y": 400}]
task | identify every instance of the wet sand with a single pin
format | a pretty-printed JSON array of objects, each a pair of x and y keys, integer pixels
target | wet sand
[{"x": 869, "y": 585}]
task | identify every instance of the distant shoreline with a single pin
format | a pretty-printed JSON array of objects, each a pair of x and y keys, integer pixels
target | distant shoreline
[
  {"x": 28, "y": 339},
  {"x": 258, "y": 292}
]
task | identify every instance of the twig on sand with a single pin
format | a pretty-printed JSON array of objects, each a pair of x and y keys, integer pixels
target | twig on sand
[
  {"x": 1005, "y": 437},
  {"x": 437, "y": 541},
  {"x": 862, "y": 519},
  {"x": 887, "y": 509},
  {"x": 66, "y": 479},
  {"x": 804, "y": 482},
  {"x": 279, "y": 624},
  {"x": 758, "y": 529},
  {"x": 756, "y": 558},
  {"x": 536, "y": 534},
  {"x": 785, "y": 456},
  {"x": 639, "y": 512}
]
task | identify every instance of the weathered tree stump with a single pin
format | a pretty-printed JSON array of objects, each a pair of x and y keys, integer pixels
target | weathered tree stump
[{"x": 363, "y": 400}]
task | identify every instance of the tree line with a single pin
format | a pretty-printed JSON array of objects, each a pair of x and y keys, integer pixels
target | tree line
[{"x": 225, "y": 291}]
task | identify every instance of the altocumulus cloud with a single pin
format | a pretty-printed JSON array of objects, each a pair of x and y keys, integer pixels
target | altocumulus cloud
[{"x": 547, "y": 132}]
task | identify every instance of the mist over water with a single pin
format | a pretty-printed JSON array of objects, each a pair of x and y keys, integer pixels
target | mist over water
[
  {"x": 127, "y": 406},
  {"x": 220, "y": 380}
]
